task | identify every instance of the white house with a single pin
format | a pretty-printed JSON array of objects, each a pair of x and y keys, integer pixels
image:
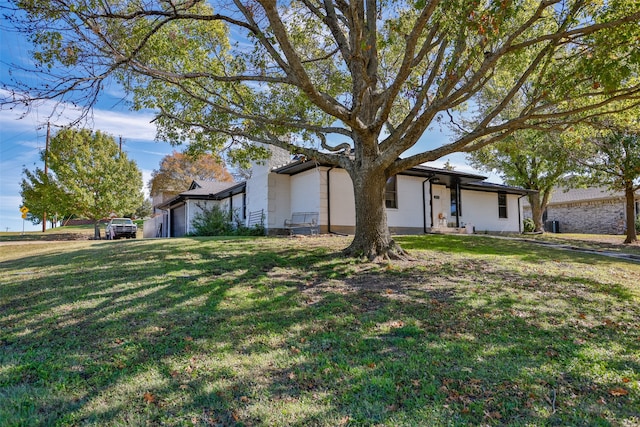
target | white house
[{"x": 419, "y": 200}]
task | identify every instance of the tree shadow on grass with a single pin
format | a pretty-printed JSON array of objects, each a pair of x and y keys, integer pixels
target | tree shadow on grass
[{"x": 229, "y": 332}]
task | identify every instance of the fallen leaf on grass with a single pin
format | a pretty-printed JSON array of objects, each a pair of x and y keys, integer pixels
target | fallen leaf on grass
[
  {"x": 149, "y": 397},
  {"x": 493, "y": 415},
  {"x": 626, "y": 380},
  {"x": 551, "y": 353},
  {"x": 618, "y": 391}
]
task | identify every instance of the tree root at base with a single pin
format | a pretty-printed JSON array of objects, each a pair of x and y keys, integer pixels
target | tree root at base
[{"x": 378, "y": 253}]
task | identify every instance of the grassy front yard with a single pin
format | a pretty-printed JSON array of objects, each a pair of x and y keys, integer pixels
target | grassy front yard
[{"x": 281, "y": 332}]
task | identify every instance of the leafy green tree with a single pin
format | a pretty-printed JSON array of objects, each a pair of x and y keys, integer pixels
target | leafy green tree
[
  {"x": 615, "y": 162},
  {"x": 352, "y": 84},
  {"x": 90, "y": 177},
  {"x": 531, "y": 159}
]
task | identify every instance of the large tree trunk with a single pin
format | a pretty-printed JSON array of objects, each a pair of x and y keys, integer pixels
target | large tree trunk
[
  {"x": 630, "y": 214},
  {"x": 539, "y": 202},
  {"x": 372, "y": 237},
  {"x": 536, "y": 213}
]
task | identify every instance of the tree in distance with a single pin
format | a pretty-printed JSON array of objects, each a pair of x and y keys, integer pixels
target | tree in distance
[
  {"x": 531, "y": 159},
  {"x": 351, "y": 84},
  {"x": 177, "y": 170},
  {"x": 88, "y": 176},
  {"x": 613, "y": 159}
]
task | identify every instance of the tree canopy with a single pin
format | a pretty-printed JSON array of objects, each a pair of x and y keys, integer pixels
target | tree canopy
[
  {"x": 177, "y": 170},
  {"x": 352, "y": 84},
  {"x": 88, "y": 176}
]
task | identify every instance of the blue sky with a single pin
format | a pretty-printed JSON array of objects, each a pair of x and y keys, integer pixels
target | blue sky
[{"x": 23, "y": 135}]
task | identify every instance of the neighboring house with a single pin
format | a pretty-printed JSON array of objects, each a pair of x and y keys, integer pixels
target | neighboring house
[
  {"x": 176, "y": 214},
  {"x": 419, "y": 200},
  {"x": 594, "y": 210}
]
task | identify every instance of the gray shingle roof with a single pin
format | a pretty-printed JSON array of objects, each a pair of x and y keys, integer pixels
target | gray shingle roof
[
  {"x": 204, "y": 188},
  {"x": 578, "y": 195}
]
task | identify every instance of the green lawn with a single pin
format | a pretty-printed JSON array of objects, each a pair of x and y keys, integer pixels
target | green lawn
[{"x": 284, "y": 332}]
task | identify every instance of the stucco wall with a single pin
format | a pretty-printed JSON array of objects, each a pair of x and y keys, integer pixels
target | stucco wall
[
  {"x": 279, "y": 201},
  {"x": 342, "y": 202},
  {"x": 480, "y": 208},
  {"x": 259, "y": 195},
  {"x": 408, "y": 217},
  {"x": 305, "y": 191},
  {"x": 410, "y": 211}
]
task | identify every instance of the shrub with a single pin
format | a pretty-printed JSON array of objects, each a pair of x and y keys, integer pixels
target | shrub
[
  {"x": 212, "y": 222},
  {"x": 528, "y": 225},
  {"x": 638, "y": 224},
  {"x": 216, "y": 222}
]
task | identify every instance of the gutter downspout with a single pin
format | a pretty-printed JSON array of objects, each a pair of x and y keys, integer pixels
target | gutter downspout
[
  {"x": 431, "y": 201},
  {"x": 424, "y": 205},
  {"x": 519, "y": 214},
  {"x": 329, "y": 200},
  {"x": 458, "y": 203}
]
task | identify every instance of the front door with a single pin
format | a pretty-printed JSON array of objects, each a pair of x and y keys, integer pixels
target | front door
[{"x": 440, "y": 206}]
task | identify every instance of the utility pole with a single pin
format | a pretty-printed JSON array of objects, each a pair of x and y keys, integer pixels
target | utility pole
[{"x": 46, "y": 172}]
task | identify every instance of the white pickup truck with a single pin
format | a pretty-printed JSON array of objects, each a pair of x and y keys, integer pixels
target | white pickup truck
[{"x": 121, "y": 227}]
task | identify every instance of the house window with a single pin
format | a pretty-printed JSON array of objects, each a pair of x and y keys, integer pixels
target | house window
[
  {"x": 502, "y": 205},
  {"x": 391, "y": 193}
]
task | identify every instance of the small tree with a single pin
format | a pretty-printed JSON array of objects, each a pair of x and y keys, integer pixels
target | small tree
[
  {"x": 615, "y": 162},
  {"x": 535, "y": 160}
]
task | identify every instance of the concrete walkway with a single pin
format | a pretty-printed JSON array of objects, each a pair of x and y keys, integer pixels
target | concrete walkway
[{"x": 568, "y": 247}]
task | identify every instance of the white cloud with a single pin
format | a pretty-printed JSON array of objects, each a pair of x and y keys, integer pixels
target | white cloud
[{"x": 132, "y": 125}]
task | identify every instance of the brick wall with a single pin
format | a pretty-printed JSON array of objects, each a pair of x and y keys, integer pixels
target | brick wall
[{"x": 595, "y": 216}]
